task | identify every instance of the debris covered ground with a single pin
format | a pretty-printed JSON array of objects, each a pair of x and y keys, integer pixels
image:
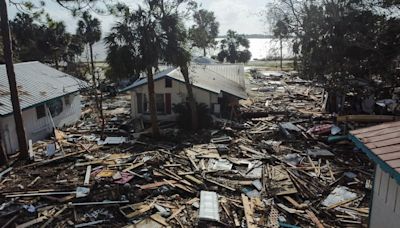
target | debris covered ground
[{"x": 284, "y": 163}]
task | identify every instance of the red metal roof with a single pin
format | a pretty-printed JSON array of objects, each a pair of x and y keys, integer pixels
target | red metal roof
[{"x": 382, "y": 140}]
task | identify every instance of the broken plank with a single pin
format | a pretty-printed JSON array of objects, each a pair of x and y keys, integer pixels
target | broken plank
[
  {"x": 156, "y": 184},
  {"x": 248, "y": 212},
  {"x": 177, "y": 212},
  {"x": 157, "y": 217},
  {"x": 221, "y": 185},
  {"x": 32, "y": 222},
  {"x": 194, "y": 179},
  {"x": 133, "y": 166},
  {"x": 87, "y": 175},
  {"x": 314, "y": 218}
]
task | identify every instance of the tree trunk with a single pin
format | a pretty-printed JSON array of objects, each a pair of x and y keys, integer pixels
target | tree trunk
[
  {"x": 204, "y": 52},
  {"x": 3, "y": 155},
  {"x": 280, "y": 41},
  {"x": 103, "y": 121},
  {"x": 152, "y": 102},
  {"x": 8, "y": 57},
  {"x": 192, "y": 101},
  {"x": 96, "y": 99}
]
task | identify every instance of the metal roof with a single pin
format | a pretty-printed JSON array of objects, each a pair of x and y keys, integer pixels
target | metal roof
[
  {"x": 382, "y": 144},
  {"x": 202, "y": 78},
  {"x": 37, "y": 83}
]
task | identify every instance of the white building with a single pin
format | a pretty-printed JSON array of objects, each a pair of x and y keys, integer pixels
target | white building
[
  {"x": 220, "y": 87},
  {"x": 42, "y": 90},
  {"x": 382, "y": 145}
]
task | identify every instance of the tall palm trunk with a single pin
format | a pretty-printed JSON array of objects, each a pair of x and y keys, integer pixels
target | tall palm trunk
[
  {"x": 204, "y": 52},
  {"x": 280, "y": 42},
  {"x": 8, "y": 57},
  {"x": 152, "y": 102},
  {"x": 192, "y": 101},
  {"x": 93, "y": 76}
]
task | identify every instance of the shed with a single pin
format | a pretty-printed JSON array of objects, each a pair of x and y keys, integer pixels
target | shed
[{"x": 381, "y": 143}]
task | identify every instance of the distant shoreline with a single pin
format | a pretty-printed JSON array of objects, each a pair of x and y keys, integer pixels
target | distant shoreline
[{"x": 252, "y": 36}]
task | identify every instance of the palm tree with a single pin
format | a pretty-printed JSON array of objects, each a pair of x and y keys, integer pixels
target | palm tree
[
  {"x": 176, "y": 53},
  {"x": 89, "y": 29},
  {"x": 138, "y": 36}
]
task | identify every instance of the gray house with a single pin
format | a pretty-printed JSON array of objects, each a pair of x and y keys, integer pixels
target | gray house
[{"x": 45, "y": 94}]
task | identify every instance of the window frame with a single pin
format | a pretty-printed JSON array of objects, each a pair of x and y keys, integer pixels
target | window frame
[
  {"x": 168, "y": 82},
  {"x": 159, "y": 105},
  {"x": 40, "y": 113}
]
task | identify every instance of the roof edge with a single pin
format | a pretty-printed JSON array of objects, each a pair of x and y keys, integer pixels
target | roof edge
[{"x": 384, "y": 166}]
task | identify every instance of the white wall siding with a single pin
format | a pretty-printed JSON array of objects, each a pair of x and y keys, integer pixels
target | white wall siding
[
  {"x": 37, "y": 129},
  {"x": 178, "y": 94},
  {"x": 385, "y": 211}
]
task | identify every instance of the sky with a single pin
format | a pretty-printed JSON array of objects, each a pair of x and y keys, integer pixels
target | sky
[{"x": 242, "y": 16}]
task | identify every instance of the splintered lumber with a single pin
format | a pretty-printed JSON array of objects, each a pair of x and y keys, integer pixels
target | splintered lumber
[
  {"x": 157, "y": 217},
  {"x": 133, "y": 166},
  {"x": 194, "y": 179},
  {"x": 54, "y": 216},
  {"x": 248, "y": 212},
  {"x": 134, "y": 210},
  {"x": 314, "y": 219},
  {"x": 90, "y": 223},
  {"x": 39, "y": 194},
  {"x": 5, "y": 172},
  {"x": 9, "y": 222},
  {"x": 341, "y": 203},
  {"x": 87, "y": 175},
  {"x": 34, "y": 181},
  {"x": 177, "y": 212},
  {"x": 221, "y": 185},
  {"x": 32, "y": 222},
  {"x": 247, "y": 149},
  {"x": 156, "y": 184},
  {"x": 45, "y": 162},
  {"x": 295, "y": 203},
  {"x": 99, "y": 203}
]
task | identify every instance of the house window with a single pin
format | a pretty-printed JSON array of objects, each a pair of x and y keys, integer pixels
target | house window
[
  {"x": 67, "y": 100},
  {"x": 40, "y": 111},
  {"x": 160, "y": 103},
  {"x": 141, "y": 102},
  {"x": 168, "y": 82},
  {"x": 139, "y": 98},
  {"x": 55, "y": 107}
]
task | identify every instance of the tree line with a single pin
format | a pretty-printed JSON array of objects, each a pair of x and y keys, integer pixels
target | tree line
[
  {"x": 342, "y": 43},
  {"x": 144, "y": 37}
]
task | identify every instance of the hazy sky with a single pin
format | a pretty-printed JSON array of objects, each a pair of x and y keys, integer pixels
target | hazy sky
[{"x": 240, "y": 15}]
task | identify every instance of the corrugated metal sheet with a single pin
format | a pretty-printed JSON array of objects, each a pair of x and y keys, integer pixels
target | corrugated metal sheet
[
  {"x": 201, "y": 77},
  {"x": 383, "y": 141},
  {"x": 37, "y": 83}
]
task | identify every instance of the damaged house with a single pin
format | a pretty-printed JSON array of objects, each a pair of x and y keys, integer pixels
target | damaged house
[
  {"x": 219, "y": 86},
  {"x": 47, "y": 96}
]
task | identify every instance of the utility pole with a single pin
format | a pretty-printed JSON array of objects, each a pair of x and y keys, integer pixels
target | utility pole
[{"x": 8, "y": 57}]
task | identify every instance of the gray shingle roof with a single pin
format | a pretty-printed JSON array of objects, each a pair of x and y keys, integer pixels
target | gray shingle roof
[
  {"x": 202, "y": 78},
  {"x": 37, "y": 83}
]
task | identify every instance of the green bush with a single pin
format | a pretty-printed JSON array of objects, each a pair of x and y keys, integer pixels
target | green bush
[{"x": 184, "y": 119}]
